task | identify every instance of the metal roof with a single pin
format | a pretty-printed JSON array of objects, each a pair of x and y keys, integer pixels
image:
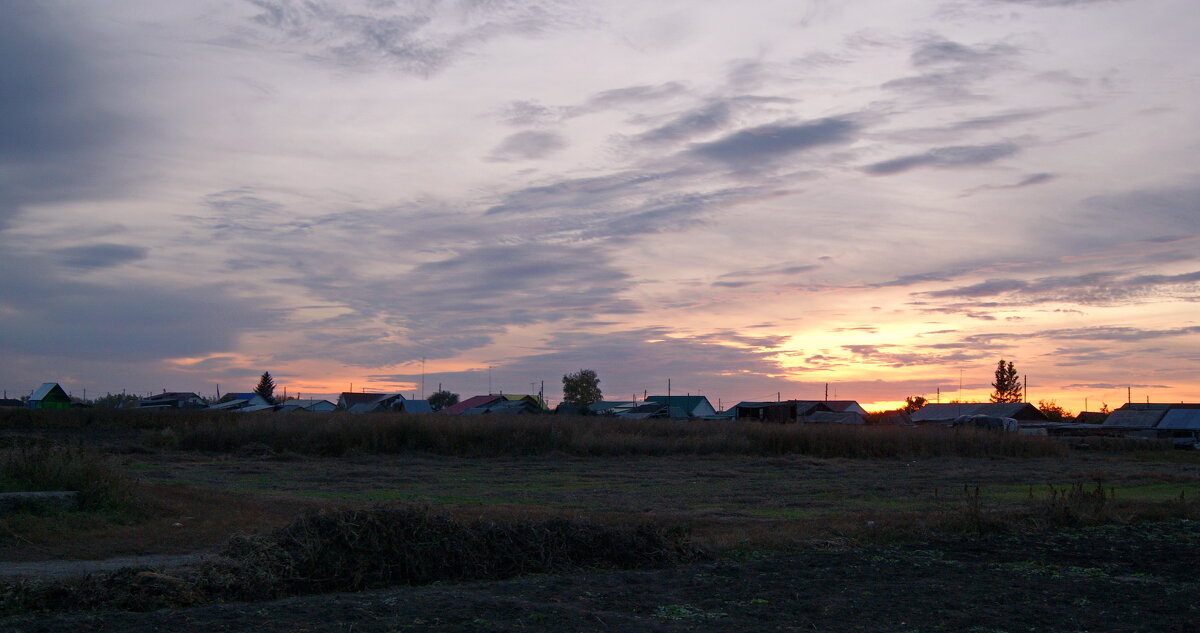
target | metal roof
[
  {"x": 1180, "y": 420},
  {"x": 45, "y": 389},
  {"x": 833, "y": 417},
  {"x": 951, "y": 410},
  {"x": 1134, "y": 417},
  {"x": 417, "y": 406},
  {"x": 470, "y": 403}
]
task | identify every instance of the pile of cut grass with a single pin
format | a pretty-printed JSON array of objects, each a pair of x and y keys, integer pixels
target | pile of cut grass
[{"x": 359, "y": 549}]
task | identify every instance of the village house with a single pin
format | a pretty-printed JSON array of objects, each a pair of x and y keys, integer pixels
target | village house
[
  {"x": 49, "y": 395},
  {"x": 680, "y": 407},
  {"x": 172, "y": 400}
]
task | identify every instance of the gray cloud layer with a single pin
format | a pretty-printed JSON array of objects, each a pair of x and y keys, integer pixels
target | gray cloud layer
[{"x": 56, "y": 135}]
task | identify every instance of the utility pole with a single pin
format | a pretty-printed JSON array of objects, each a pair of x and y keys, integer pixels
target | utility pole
[{"x": 422, "y": 377}]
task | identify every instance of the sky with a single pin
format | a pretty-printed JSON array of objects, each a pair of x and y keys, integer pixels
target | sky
[{"x": 752, "y": 200}]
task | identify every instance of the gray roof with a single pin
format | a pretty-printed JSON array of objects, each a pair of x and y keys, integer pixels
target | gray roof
[
  {"x": 1134, "y": 417},
  {"x": 306, "y": 405},
  {"x": 833, "y": 417},
  {"x": 417, "y": 406},
  {"x": 1181, "y": 420},
  {"x": 951, "y": 410}
]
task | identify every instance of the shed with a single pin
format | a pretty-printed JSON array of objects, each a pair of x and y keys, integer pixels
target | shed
[
  {"x": 845, "y": 405},
  {"x": 834, "y": 417},
  {"x": 320, "y": 406},
  {"x": 947, "y": 412},
  {"x": 470, "y": 403},
  {"x": 413, "y": 406},
  {"x": 235, "y": 401},
  {"x": 685, "y": 406},
  {"x": 1140, "y": 416},
  {"x": 172, "y": 400},
  {"x": 49, "y": 395},
  {"x": 775, "y": 411}
]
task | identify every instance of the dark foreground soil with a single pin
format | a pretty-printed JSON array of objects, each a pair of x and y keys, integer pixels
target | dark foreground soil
[{"x": 1128, "y": 578}]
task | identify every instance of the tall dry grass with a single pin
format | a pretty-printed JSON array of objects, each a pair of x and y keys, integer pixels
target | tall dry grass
[
  {"x": 496, "y": 435},
  {"x": 40, "y": 466}
]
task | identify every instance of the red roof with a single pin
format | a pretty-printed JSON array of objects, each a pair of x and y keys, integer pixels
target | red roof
[{"x": 470, "y": 403}]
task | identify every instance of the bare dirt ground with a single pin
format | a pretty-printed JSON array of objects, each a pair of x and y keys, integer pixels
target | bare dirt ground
[{"x": 1107, "y": 579}]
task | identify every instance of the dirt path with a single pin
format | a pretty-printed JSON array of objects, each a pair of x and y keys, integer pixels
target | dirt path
[{"x": 51, "y": 569}]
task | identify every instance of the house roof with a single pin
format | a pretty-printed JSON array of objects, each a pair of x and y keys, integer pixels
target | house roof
[
  {"x": 1134, "y": 417},
  {"x": 303, "y": 405},
  {"x": 843, "y": 405},
  {"x": 351, "y": 398},
  {"x": 1181, "y": 420},
  {"x": 172, "y": 395},
  {"x": 834, "y": 417},
  {"x": 45, "y": 389},
  {"x": 609, "y": 405},
  {"x": 469, "y": 403},
  {"x": 685, "y": 403},
  {"x": 951, "y": 410},
  {"x": 536, "y": 399},
  {"x": 11, "y": 402},
  {"x": 417, "y": 406}
]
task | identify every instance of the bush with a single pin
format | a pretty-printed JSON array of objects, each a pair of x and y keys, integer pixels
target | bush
[{"x": 358, "y": 549}]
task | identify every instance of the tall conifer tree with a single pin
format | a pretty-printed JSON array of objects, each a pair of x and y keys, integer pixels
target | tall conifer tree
[
  {"x": 1007, "y": 386},
  {"x": 266, "y": 387}
]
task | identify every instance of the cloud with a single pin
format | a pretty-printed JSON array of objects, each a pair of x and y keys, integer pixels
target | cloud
[
  {"x": 1093, "y": 288},
  {"x": 58, "y": 141},
  {"x": 521, "y": 113},
  {"x": 635, "y": 361},
  {"x": 1109, "y": 385},
  {"x": 43, "y": 315},
  {"x": 530, "y": 145},
  {"x": 767, "y": 143},
  {"x": 418, "y": 38},
  {"x": 461, "y": 301},
  {"x": 633, "y": 95},
  {"x": 944, "y": 158},
  {"x": 1055, "y": 3},
  {"x": 1150, "y": 214},
  {"x": 1028, "y": 181},
  {"x": 99, "y": 256},
  {"x": 948, "y": 70},
  {"x": 706, "y": 119},
  {"x": 778, "y": 270}
]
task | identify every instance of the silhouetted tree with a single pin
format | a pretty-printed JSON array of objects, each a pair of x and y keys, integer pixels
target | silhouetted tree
[
  {"x": 1007, "y": 386},
  {"x": 442, "y": 399},
  {"x": 913, "y": 403},
  {"x": 581, "y": 387},
  {"x": 1053, "y": 411},
  {"x": 114, "y": 400},
  {"x": 266, "y": 387}
]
